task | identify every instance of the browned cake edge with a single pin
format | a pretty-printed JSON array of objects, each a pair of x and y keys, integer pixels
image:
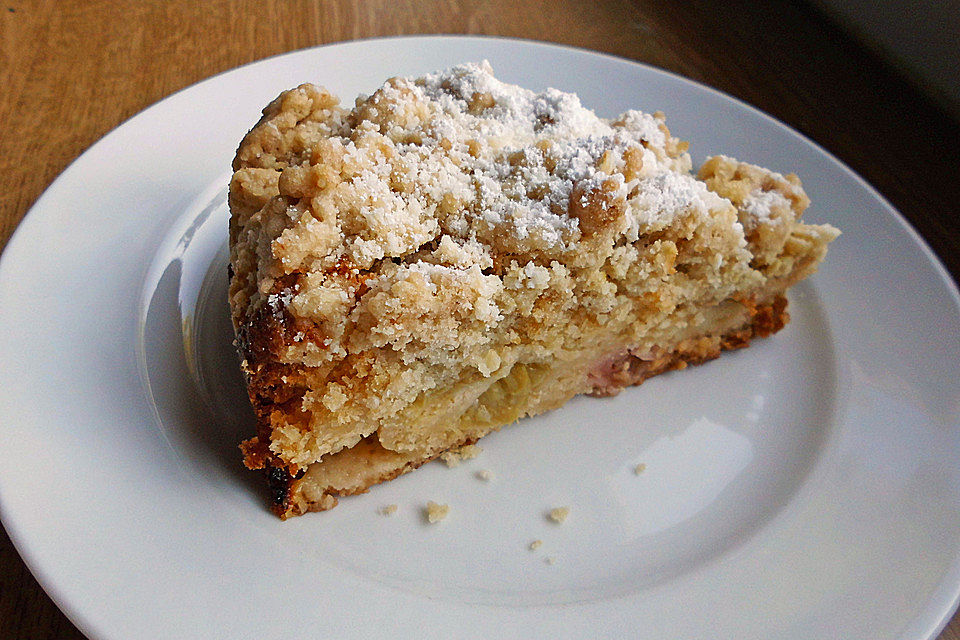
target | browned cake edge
[{"x": 628, "y": 370}]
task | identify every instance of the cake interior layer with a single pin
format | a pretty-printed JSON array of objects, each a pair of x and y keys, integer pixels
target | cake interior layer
[{"x": 525, "y": 389}]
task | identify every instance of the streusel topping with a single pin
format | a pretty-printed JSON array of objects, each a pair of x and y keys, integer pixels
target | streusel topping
[{"x": 455, "y": 174}]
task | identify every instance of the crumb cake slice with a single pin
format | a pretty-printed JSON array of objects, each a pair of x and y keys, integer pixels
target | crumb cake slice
[{"x": 455, "y": 253}]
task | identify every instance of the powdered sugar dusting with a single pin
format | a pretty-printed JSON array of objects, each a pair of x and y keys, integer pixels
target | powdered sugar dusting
[
  {"x": 511, "y": 155},
  {"x": 664, "y": 195},
  {"x": 644, "y": 124},
  {"x": 760, "y": 205},
  {"x": 513, "y": 113}
]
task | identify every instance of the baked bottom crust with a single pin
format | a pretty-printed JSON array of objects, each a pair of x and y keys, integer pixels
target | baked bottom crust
[{"x": 355, "y": 470}]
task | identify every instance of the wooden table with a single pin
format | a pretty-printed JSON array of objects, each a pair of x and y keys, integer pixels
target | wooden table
[{"x": 72, "y": 70}]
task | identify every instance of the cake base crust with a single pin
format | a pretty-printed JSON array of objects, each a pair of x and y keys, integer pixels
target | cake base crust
[{"x": 355, "y": 470}]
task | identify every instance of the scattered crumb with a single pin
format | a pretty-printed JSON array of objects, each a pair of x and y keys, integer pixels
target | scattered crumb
[
  {"x": 550, "y": 560},
  {"x": 470, "y": 451},
  {"x": 388, "y": 510},
  {"x": 451, "y": 458},
  {"x": 485, "y": 475},
  {"x": 437, "y": 512},
  {"x": 535, "y": 545},
  {"x": 455, "y": 456},
  {"x": 559, "y": 514},
  {"x": 640, "y": 468}
]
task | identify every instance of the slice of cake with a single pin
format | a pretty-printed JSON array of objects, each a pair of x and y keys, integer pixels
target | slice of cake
[{"x": 455, "y": 253}]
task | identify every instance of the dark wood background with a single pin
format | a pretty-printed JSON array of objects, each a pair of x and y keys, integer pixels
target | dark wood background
[{"x": 72, "y": 70}]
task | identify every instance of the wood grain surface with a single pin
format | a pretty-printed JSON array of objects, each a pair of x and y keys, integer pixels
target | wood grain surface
[{"x": 72, "y": 70}]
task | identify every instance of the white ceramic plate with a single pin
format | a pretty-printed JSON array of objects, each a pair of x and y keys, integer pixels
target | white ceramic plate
[{"x": 807, "y": 487}]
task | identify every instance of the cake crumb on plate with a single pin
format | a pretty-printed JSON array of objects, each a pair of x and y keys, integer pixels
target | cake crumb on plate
[
  {"x": 535, "y": 545},
  {"x": 559, "y": 514},
  {"x": 455, "y": 456},
  {"x": 640, "y": 468},
  {"x": 388, "y": 510},
  {"x": 485, "y": 474},
  {"x": 436, "y": 512}
]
